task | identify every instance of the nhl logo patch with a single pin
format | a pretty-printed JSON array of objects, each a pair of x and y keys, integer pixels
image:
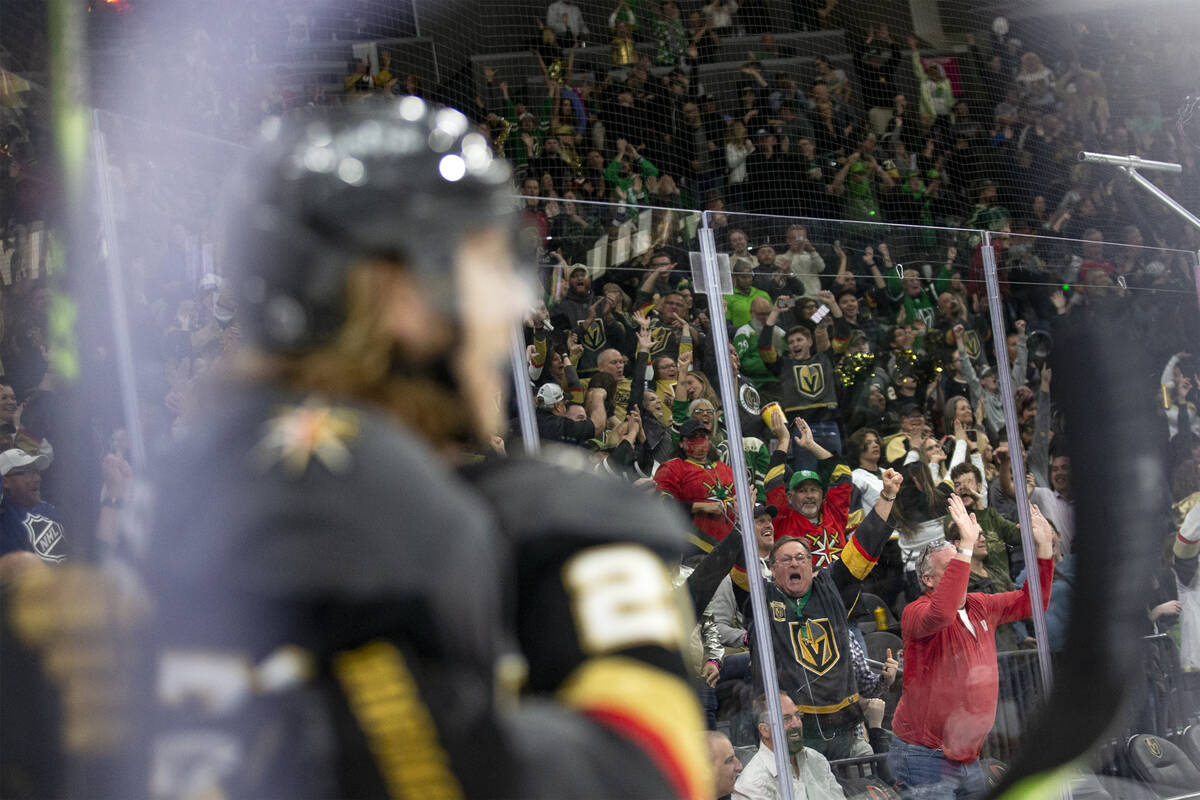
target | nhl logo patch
[{"x": 44, "y": 537}]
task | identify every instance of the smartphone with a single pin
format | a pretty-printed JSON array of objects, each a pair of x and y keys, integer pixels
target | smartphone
[{"x": 820, "y": 313}]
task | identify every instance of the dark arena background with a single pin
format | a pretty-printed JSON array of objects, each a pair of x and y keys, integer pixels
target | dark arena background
[{"x": 904, "y": 179}]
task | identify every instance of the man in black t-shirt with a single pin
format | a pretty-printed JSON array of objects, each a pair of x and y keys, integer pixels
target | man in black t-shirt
[{"x": 554, "y": 424}]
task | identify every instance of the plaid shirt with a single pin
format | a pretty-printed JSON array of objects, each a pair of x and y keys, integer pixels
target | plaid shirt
[{"x": 870, "y": 684}]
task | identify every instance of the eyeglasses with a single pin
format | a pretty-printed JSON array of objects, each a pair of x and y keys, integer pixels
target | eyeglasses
[
  {"x": 765, "y": 719},
  {"x": 934, "y": 546},
  {"x": 785, "y": 560},
  {"x": 708, "y": 412}
]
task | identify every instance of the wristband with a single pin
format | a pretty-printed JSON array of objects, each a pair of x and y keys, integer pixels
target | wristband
[
  {"x": 962, "y": 551},
  {"x": 887, "y": 499}
]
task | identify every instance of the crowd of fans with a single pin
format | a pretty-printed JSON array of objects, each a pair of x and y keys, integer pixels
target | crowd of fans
[
  {"x": 874, "y": 339},
  {"x": 878, "y": 338}
]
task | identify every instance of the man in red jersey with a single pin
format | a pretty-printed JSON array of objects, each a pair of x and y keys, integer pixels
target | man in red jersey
[
  {"x": 704, "y": 488},
  {"x": 813, "y": 506}
]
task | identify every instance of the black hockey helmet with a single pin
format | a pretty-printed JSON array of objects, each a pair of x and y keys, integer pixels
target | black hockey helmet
[{"x": 399, "y": 181}]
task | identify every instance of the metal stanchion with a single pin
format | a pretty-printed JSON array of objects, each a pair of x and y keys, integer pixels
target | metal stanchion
[
  {"x": 1016, "y": 458},
  {"x": 521, "y": 394},
  {"x": 765, "y": 655}
]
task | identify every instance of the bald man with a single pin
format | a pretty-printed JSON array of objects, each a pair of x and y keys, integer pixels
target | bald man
[
  {"x": 726, "y": 766},
  {"x": 745, "y": 342}
]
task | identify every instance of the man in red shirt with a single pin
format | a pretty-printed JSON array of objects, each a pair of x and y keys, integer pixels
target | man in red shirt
[
  {"x": 813, "y": 506},
  {"x": 951, "y": 682}
]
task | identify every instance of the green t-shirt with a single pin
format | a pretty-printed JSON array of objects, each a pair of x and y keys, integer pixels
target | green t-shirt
[{"x": 737, "y": 305}]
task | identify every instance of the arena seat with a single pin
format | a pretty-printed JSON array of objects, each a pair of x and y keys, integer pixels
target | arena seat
[
  {"x": 864, "y": 613},
  {"x": 993, "y": 771},
  {"x": 1190, "y": 743},
  {"x": 1162, "y": 765},
  {"x": 878, "y": 643},
  {"x": 869, "y": 788}
]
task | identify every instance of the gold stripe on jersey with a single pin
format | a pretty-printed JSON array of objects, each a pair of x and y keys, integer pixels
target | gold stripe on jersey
[
  {"x": 774, "y": 472},
  {"x": 396, "y": 724},
  {"x": 830, "y": 708},
  {"x": 856, "y": 560},
  {"x": 661, "y": 705}
]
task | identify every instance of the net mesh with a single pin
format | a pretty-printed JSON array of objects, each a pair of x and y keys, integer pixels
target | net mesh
[
  {"x": 956, "y": 116},
  {"x": 628, "y": 119}
]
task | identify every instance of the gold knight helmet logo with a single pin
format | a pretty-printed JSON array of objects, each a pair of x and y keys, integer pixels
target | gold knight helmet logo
[
  {"x": 1153, "y": 747},
  {"x": 972, "y": 343},
  {"x": 594, "y": 337},
  {"x": 814, "y": 644},
  {"x": 810, "y": 379}
]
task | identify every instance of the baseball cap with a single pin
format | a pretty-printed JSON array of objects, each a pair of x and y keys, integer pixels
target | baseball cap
[
  {"x": 692, "y": 427},
  {"x": 761, "y": 509},
  {"x": 909, "y": 409},
  {"x": 19, "y": 459},
  {"x": 802, "y": 475},
  {"x": 579, "y": 268},
  {"x": 550, "y": 394}
]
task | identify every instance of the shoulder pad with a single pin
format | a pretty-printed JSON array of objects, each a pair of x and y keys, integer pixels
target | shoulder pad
[{"x": 536, "y": 499}]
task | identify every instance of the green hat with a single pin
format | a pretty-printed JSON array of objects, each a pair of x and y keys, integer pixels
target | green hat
[{"x": 802, "y": 475}]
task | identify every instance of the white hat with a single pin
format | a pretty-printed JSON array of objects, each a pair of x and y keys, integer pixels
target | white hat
[
  {"x": 17, "y": 458},
  {"x": 550, "y": 394}
]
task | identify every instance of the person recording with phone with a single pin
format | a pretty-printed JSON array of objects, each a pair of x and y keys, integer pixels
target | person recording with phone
[{"x": 807, "y": 378}]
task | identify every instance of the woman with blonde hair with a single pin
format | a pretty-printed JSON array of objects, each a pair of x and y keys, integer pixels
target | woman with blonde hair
[
  {"x": 692, "y": 386},
  {"x": 695, "y": 385},
  {"x": 738, "y": 148}
]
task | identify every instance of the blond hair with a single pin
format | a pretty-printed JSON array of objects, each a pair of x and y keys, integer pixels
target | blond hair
[{"x": 364, "y": 361}]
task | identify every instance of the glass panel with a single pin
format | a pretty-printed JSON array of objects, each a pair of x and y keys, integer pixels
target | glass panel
[
  {"x": 865, "y": 346},
  {"x": 896, "y": 374}
]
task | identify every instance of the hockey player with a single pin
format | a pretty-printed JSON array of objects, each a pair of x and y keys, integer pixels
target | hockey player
[{"x": 333, "y": 600}]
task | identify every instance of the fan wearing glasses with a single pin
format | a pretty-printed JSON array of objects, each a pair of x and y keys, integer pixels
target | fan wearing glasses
[
  {"x": 951, "y": 681},
  {"x": 808, "y": 630}
]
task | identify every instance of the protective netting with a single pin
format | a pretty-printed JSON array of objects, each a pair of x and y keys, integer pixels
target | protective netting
[
  {"x": 872, "y": 244},
  {"x": 769, "y": 107}
]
